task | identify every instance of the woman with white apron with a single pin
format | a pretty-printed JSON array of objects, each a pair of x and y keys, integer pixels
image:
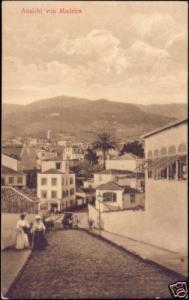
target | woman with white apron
[{"x": 22, "y": 238}]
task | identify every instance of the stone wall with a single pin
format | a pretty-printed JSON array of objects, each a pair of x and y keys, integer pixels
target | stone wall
[{"x": 167, "y": 229}]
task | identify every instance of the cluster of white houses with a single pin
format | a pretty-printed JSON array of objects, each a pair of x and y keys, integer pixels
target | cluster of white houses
[
  {"x": 121, "y": 185},
  {"x": 164, "y": 221},
  {"x": 55, "y": 182},
  {"x": 157, "y": 184}
]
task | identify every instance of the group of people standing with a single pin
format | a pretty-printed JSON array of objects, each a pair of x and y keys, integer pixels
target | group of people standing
[{"x": 30, "y": 235}]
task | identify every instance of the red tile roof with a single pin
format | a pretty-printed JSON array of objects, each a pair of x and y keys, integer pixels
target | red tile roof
[
  {"x": 128, "y": 190},
  {"x": 111, "y": 185},
  {"x": 53, "y": 171},
  {"x": 168, "y": 126},
  {"x": 7, "y": 171},
  {"x": 115, "y": 172},
  {"x": 13, "y": 151},
  {"x": 126, "y": 156}
]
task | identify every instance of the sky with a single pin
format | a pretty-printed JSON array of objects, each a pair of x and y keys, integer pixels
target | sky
[{"x": 132, "y": 52}]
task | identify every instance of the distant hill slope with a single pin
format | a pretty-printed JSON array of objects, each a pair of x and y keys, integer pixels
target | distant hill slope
[
  {"x": 81, "y": 118},
  {"x": 175, "y": 110}
]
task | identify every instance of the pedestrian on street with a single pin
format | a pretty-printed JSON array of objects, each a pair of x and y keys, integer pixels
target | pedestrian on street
[
  {"x": 75, "y": 222},
  {"x": 22, "y": 228},
  {"x": 39, "y": 240},
  {"x": 90, "y": 223}
]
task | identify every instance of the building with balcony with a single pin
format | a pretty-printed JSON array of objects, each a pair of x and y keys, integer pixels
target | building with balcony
[{"x": 166, "y": 199}]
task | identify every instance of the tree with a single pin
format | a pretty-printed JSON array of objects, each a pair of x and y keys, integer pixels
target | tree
[
  {"x": 85, "y": 169},
  {"x": 134, "y": 147},
  {"x": 104, "y": 142},
  {"x": 91, "y": 156}
]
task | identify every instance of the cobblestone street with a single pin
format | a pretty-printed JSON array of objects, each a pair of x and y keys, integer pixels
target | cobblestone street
[{"x": 76, "y": 265}]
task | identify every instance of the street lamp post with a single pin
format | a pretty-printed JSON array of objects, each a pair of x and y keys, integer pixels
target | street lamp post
[{"x": 99, "y": 201}]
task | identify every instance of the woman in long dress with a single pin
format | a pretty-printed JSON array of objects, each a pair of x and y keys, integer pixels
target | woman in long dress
[
  {"x": 39, "y": 240},
  {"x": 21, "y": 237}
]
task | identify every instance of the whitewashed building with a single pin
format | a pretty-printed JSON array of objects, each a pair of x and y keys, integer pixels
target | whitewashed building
[
  {"x": 164, "y": 221},
  {"x": 56, "y": 163},
  {"x": 111, "y": 196},
  {"x": 73, "y": 153},
  {"x": 127, "y": 161},
  {"x": 122, "y": 177},
  {"x": 166, "y": 183},
  {"x": 19, "y": 158},
  {"x": 10, "y": 177},
  {"x": 56, "y": 186}
]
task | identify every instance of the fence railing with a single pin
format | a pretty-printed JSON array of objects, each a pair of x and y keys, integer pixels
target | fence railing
[{"x": 13, "y": 201}]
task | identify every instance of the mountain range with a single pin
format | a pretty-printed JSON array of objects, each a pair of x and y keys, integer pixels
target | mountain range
[{"x": 83, "y": 118}]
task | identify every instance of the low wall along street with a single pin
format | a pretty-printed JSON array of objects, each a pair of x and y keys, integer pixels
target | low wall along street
[
  {"x": 142, "y": 226},
  {"x": 13, "y": 203},
  {"x": 8, "y": 228}
]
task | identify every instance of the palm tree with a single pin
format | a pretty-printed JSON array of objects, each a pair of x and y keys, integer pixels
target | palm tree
[{"x": 104, "y": 142}]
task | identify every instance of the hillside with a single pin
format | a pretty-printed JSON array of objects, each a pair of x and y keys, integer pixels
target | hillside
[
  {"x": 81, "y": 118},
  {"x": 175, "y": 110}
]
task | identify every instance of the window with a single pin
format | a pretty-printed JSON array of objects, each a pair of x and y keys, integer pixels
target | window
[
  {"x": 71, "y": 180},
  {"x": 72, "y": 192},
  {"x": 172, "y": 171},
  {"x": 54, "y": 181},
  {"x": 149, "y": 173},
  {"x": 62, "y": 181},
  {"x": 11, "y": 180},
  {"x": 132, "y": 198},
  {"x": 58, "y": 165},
  {"x": 156, "y": 153},
  {"x": 163, "y": 151},
  {"x": 54, "y": 194},
  {"x": 109, "y": 197},
  {"x": 182, "y": 169},
  {"x": 116, "y": 179},
  {"x": 43, "y": 181},
  {"x": 2, "y": 181},
  {"x": 172, "y": 150},
  {"x": 43, "y": 194},
  {"x": 19, "y": 180},
  {"x": 163, "y": 173},
  {"x": 182, "y": 148},
  {"x": 143, "y": 185}
]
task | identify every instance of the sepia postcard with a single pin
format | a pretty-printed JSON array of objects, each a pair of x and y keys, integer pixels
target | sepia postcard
[{"x": 94, "y": 156}]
